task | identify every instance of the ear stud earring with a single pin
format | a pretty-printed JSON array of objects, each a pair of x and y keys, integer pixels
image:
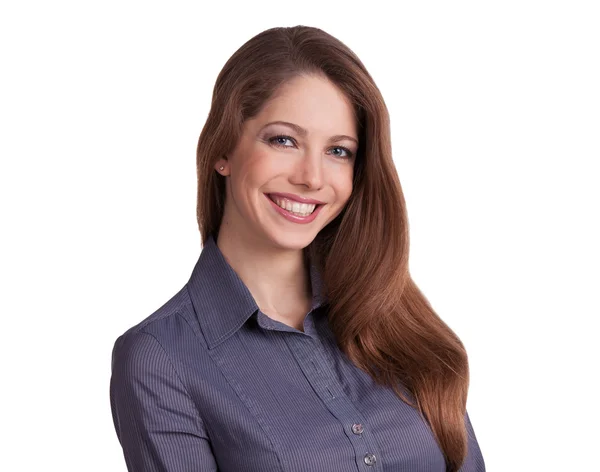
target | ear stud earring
[{"x": 222, "y": 167}]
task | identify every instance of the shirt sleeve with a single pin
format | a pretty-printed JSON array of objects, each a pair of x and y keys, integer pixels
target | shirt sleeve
[
  {"x": 157, "y": 423},
  {"x": 474, "y": 460}
]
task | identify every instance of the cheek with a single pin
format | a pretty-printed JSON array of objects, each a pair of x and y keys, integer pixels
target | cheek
[
  {"x": 261, "y": 165},
  {"x": 344, "y": 184}
]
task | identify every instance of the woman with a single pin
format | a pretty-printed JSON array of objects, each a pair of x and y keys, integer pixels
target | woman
[{"x": 300, "y": 342}]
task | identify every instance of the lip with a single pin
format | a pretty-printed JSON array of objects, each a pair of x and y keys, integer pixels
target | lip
[
  {"x": 296, "y": 198},
  {"x": 294, "y": 218}
]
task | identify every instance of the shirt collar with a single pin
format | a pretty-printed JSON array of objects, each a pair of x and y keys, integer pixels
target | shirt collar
[{"x": 221, "y": 300}]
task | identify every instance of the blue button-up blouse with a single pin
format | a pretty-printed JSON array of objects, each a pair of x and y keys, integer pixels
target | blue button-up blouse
[{"x": 208, "y": 382}]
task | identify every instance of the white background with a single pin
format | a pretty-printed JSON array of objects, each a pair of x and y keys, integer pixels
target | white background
[{"x": 495, "y": 113}]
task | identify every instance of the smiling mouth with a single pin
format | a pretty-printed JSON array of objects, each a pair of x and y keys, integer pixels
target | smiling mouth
[{"x": 295, "y": 208}]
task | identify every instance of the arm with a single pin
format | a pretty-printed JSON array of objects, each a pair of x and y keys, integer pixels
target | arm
[
  {"x": 157, "y": 423},
  {"x": 474, "y": 460}
]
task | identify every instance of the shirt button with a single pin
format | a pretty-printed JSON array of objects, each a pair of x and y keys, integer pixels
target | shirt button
[
  {"x": 357, "y": 428},
  {"x": 370, "y": 459}
]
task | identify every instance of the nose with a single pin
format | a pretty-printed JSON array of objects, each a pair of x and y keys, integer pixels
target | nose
[{"x": 309, "y": 171}]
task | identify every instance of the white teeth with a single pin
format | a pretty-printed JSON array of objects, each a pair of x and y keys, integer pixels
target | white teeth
[{"x": 301, "y": 209}]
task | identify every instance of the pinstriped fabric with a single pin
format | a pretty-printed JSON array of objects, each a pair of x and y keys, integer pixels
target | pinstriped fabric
[
  {"x": 156, "y": 420},
  {"x": 209, "y": 382}
]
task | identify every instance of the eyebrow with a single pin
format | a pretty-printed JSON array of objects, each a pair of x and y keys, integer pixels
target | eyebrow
[{"x": 302, "y": 132}]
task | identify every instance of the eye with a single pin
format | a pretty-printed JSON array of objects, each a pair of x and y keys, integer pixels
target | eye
[
  {"x": 348, "y": 155},
  {"x": 280, "y": 139}
]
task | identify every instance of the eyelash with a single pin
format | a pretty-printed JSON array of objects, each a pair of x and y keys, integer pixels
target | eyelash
[{"x": 272, "y": 140}]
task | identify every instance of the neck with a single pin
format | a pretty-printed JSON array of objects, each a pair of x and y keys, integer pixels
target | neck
[{"x": 276, "y": 277}]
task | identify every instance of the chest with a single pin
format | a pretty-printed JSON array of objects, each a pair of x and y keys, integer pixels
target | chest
[{"x": 288, "y": 402}]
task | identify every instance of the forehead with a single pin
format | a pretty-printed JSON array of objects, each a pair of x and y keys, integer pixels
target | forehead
[{"x": 315, "y": 103}]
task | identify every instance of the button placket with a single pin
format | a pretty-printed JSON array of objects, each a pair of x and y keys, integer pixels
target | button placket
[
  {"x": 330, "y": 388},
  {"x": 320, "y": 374}
]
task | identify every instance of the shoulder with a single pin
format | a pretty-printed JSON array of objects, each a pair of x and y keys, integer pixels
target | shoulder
[{"x": 162, "y": 332}]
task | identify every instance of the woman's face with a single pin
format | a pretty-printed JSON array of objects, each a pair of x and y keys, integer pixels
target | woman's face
[{"x": 311, "y": 157}]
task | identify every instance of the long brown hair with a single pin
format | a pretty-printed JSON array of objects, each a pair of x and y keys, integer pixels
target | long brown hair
[{"x": 381, "y": 320}]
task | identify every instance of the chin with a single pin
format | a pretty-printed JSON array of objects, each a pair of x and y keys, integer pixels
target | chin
[{"x": 291, "y": 240}]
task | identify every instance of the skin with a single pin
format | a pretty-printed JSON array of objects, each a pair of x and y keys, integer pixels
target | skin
[{"x": 263, "y": 247}]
